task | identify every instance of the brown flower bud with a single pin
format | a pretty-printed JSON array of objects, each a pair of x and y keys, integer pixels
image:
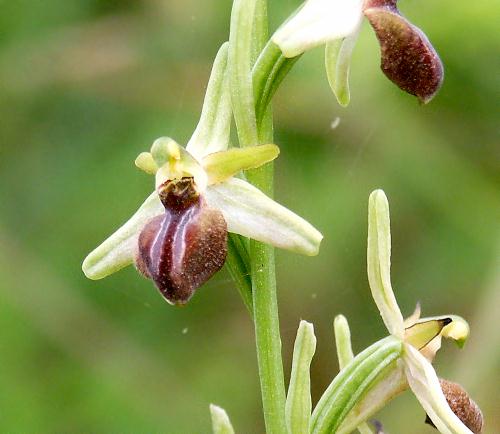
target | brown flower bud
[
  {"x": 181, "y": 249},
  {"x": 408, "y": 58},
  {"x": 464, "y": 407}
]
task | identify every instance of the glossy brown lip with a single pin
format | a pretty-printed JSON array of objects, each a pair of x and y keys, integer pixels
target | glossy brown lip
[
  {"x": 408, "y": 58},
  {"x": 181, "y": 249}
]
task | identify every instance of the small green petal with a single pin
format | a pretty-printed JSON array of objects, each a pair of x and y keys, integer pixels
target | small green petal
[
  {"x": 422, "y": 332},
  {"x": 220, "y": 421},
  {"x": 298, "y": 400},
  {"x": 379, "y": 263},
  {"x": 222, "y": 165},
  {"x": 120, "y": 248},
  {"x": 337, "y": 62},
  {"x": 414, "y": 317},
  {"x": 146, "y": 162}
]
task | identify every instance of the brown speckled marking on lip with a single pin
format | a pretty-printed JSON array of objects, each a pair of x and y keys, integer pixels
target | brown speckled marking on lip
[
  {"x": 408, "y": 59},
  {"x": 464, "y": 407},
  {"x": 181, "y": 249}
]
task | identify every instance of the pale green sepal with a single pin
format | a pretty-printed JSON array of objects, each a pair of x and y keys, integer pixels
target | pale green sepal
[
  {"x": 220, "y": 420},
  {"x": 337, "y": 63},
  {"x": 425, "y": 385},
  {"x": 213, "y": 129},
  {"x": 120, "y": 249},
  {"x": 222, "y": 165},
  {"x": 390, "y": 383},
  {"x": 345, "y": 354},
  {"x": 146, "y": 163},
  {"x": 422, "y": 332},
  {"x": 379, "y": 263},
  {"x": 298, "y": 400},
  {"x": 352, "y": 384},
  {"x": 317, "y": 22},
  {"x": 251, "y": 213}
]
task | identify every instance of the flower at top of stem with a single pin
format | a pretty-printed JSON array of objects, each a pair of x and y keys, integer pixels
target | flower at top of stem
[
  {"x": 178, "y": 235},
  {"x": 408, "y": 59}
]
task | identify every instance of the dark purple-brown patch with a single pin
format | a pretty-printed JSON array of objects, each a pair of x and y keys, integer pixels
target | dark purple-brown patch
[
  {"x": 181, "y": 249},
  {"x": 408, "y": 59},
  {"x": 462, "y": 405}
]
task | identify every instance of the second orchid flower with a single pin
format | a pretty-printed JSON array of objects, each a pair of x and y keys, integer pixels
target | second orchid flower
[{"x": 408, "y": 59}]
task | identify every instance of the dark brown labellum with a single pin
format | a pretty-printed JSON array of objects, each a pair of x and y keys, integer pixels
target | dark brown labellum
[
  {"x": 181, "y": 249},
  {"x": 464, "y": 407},
  {"x": 408, "y": 59}
]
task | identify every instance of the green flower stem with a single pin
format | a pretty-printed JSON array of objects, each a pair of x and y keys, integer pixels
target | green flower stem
[
  {"x": 248, "y": 31},
  {"x": 353, "y": 382}
]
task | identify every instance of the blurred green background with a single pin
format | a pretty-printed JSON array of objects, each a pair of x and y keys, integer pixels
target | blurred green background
[{"x": 85, "y": 85}]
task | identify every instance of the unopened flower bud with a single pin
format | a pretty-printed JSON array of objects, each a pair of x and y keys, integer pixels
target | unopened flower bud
[
  {"x": 181, "y": 249},
  {"x": 408, "y": 58},
  {"x": 462, "y": 405}
]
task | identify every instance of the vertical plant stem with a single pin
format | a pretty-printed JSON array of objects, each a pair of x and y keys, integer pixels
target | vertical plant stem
[{"x": 248, "y": 35}]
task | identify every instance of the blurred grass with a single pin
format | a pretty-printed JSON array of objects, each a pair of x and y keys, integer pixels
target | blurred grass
[{"x": 86, "y": 85}]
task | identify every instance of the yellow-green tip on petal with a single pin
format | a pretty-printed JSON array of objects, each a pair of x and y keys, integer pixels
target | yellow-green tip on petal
[
  {"x": 458, "y": 330},
  {"x": 146, "y": 163}
]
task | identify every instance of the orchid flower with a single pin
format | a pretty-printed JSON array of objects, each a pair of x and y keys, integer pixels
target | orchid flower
[
  {"x": 367, "y": 382},
  {"x": 408, "y": 58},
  {"x": 178, "y": 235}
]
